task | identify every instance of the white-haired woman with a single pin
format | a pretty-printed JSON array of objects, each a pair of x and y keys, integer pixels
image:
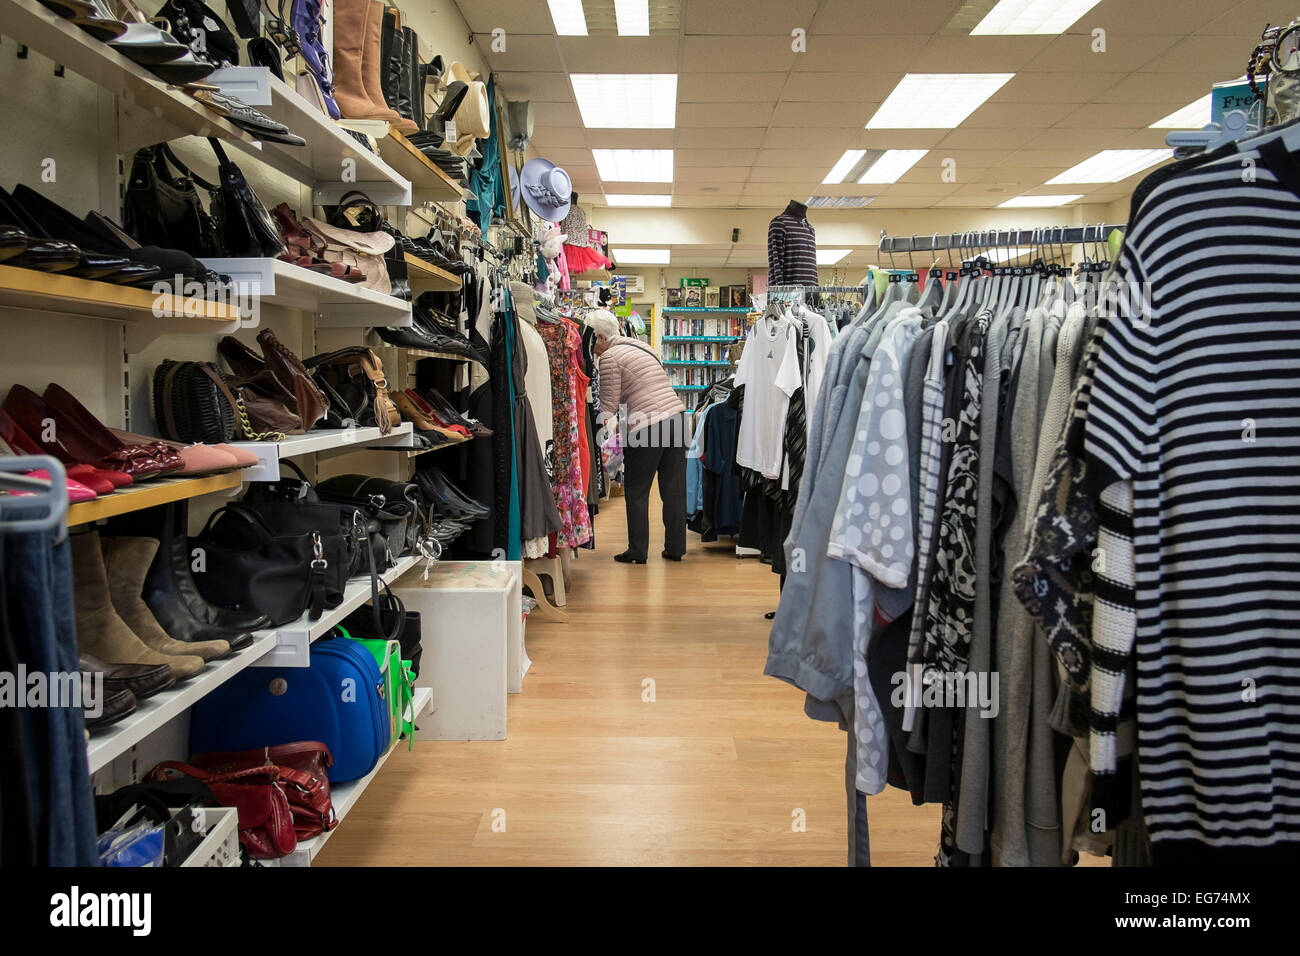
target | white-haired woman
[{"x": 634, "y": 386}]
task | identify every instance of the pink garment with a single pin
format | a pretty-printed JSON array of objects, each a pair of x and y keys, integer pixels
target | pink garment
[{"x": 631, "y": 375}]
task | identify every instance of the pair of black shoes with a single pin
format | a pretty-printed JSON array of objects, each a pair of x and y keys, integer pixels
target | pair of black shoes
[
  {"x": 446, "y": 500},
  {"x": 627, "y": 558}
]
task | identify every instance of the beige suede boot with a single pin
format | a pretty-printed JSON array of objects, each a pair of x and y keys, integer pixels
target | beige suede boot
[
  {"x": 127, "y": 561},
  {"x": 357, "y": 28},
  {"x": 100, "y": 631}
]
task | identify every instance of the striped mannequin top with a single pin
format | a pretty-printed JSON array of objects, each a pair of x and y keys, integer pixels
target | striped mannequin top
[
  {"x": 1196, "y": 403},
  {"x": 791, "y": 251}
]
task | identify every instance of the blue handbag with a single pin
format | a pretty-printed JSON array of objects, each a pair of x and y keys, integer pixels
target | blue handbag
[{"x": 339, "y": 700}]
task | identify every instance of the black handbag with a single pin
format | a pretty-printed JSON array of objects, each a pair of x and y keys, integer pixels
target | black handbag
[
  {"x": 245, "y": 228},
  {"x": 162, "y": 209},
  {"x": 250, "y": 564},
  {"x": 355, "y": 211},
  {"x": 395, "y": 504},
  {"x": 189, "y": 404}
]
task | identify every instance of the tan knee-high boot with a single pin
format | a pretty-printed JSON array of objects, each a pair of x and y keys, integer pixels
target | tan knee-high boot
[
  {"x": 128, "y": 561},
  {"x": 357, "y": 27},
  {"x": 100, "y": 631}
]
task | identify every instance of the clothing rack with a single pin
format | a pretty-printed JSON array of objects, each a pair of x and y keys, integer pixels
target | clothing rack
[{"x": 997, "y": 238}]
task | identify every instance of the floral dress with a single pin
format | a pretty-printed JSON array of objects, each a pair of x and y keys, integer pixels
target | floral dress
[{"x": 562, "y": 343}]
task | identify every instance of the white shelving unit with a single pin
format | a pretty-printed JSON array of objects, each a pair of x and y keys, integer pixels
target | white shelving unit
[
  {"x": 270, "y": 453},
  {"x": 332, "y": 162},
  {"x": 293, "y": 641},
  {"x": 335, "y": 303},
  {"x": 345, "y": 795},
  {"x": 157, "y": 710}
]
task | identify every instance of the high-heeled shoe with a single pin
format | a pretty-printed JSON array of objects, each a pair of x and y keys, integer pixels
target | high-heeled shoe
[
  {"x": 429, "y": 412},
  {"x": 416, "y": 416},
  {"x": 76, "y": 490},
  {"x": 184, "y": 68},
  {"x": 68, "y": 442},
  {"x": 99, "y": 481},
  {"x": 57, "y": 223},
  {"x": 65, "y": 405}
]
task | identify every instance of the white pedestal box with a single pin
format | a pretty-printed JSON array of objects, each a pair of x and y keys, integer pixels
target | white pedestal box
[{"x": 472, "y": 636}]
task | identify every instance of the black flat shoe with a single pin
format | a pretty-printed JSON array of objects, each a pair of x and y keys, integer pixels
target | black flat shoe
[
  {"x": 13, "y": 242},
  {"x": 669, "y": 557},
  {"x": 626, "y": 558},
  {"x": 55, "y": 222}
]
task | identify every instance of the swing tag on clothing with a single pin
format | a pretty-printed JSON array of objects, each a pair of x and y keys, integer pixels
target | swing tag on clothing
[{"x": 450, "y": 132}]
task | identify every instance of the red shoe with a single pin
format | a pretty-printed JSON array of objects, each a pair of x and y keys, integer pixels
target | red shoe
[
  {"x": 83, "y": 435},
  {"x": 428, "y": 410},
  {"x": 100, "y": 480},
  {"x": 76, "y": 490}
]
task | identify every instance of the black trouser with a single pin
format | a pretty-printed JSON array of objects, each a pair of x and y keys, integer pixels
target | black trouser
[{"x": 657, "y": 450}]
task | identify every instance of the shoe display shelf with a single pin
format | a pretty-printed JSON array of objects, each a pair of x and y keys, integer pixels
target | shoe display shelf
[
  {"x": 292, "y": 642},
  {"x": 336, "y": 304},
  {"x": 400, "y": 355},
  {"x": 413, "y": 450},
  {"x": 344, "y": 796},
  {"x": 145, "y": 314},
  {"x": 428, "y": 180},
  {"x": 270, "y": 453},
  {"x": 153, "y": 712},
  {"x": 150, "y": 494},
  {"x": 332, "y": 162},
  {"x": 426, "y": 277},
  {"x": 149, "y": 111}
]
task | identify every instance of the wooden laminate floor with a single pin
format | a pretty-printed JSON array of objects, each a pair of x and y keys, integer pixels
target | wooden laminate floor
[{"x": 712, "y": 771}]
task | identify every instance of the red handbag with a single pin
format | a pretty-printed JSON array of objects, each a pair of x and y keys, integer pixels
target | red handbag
[
  {"x": 304, "y": 777},
  {"x": 266, "y": 826}
]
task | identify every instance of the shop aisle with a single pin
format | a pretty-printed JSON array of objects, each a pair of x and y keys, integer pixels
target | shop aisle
[{"x": 709, "y": 773}]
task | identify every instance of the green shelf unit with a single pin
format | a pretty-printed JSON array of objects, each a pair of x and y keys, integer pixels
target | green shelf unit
[
  {"x": 698, "y": 311},
  {"x": 704, "y": 364},
  {"x": 700, "y": 338}
]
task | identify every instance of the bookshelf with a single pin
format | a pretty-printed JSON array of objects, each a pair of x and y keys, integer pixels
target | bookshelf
[{"x": 695, "y": 345}]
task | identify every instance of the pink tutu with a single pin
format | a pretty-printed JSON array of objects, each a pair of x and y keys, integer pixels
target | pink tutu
[{"x": 582, "y": 259}]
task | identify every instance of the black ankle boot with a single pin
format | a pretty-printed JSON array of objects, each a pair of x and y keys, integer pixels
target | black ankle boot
[{"x": 169, "y": 589}]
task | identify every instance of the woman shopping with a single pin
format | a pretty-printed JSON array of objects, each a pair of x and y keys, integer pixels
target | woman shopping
[{"x": 634, "y": 388}]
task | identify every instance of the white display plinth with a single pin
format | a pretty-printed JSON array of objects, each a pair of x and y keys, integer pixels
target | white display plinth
[{"x": 471, "y": 633}]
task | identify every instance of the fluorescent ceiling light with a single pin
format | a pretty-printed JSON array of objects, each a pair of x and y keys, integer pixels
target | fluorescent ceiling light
[
  {"x": 1038, "y": 202},
  {"x": 626, "y": 100},
  {"x": 633, "y": 17},
  {"x": 1192, "y": 116},
  {"x": 890, "y": 167},
  {"x": 936, "y": 100},
  {"x": 1029, "y": 17},
  {"x": 642, "y": 257},
  {"x": 828, "y": 257},
  {"x": 838, "y": 202},
  {"x": 1112, "y": 165},
  {"x": 634, "y": 165},
  {"x": 569, "y": 19},
  {"x": 637, "y": 199},
  {"x": 841, "y": 169}
]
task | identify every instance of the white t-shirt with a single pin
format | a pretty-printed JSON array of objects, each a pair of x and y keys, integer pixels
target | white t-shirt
[{"x": 769, "y": 370}]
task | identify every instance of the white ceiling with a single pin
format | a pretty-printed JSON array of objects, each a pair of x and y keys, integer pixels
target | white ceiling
[{"x": 758, "y": 124}]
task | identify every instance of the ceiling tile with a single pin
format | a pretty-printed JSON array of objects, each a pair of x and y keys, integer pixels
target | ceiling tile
[
  {"x": 723, "y": 114},
  {"x": 728, "y": 87},
  {"x": 720, "y": 54},
  {"x": 1217, "y": 55},
  {"x": 535, "y": 86},
  {"x": 797, "y": 156},
  {"x": 484, "y": 16},
  {"x": 851, "y": 54},
  {"x": 990, "y": 138},
  {"x": 714, "y": 157},
  {"x": 1116, "y": 116},
  {"x": 629, "y": 138},
  {"x": 961, "y": 53},
  {"x": 839, "y": 87},
  {"x": 897, "y": 138},
  {"x": 754, "y": 17},
  {"x": 865, "y": 17},
  {"x": 547, "y": 116},
  {"x": 845, "y": 116},
  {"x": 1055, "y": 88},
  {"x": 714, "y": 137},
  {"x": 523, "y": 54},
  {"x": 599, "y": 54},
  {"x": 710, "y": 174},
  {"x": 787, "y": 136},
  {"x": 1123, "y": 54}
]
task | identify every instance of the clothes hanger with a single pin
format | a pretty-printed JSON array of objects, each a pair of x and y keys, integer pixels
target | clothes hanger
[
  {"x": 934, "y": 290},
  {"x": 33, "y": 504}
]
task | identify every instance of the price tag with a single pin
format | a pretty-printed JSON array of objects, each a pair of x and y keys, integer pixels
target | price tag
[{"x": 451, "y": 134}]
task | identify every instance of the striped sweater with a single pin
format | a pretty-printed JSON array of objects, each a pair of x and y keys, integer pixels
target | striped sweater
[{"x": 1196, "y": 408}]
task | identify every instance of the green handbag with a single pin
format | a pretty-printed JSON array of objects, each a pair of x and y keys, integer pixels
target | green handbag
[{"x": 399, "y": 686}]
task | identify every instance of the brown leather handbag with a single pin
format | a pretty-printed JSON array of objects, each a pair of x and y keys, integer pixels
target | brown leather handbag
[
  {"x": 303, "y": 769},
  {"x": 276, "y": 388},
  {"x": 354, "y": 379},
  {"x": 266, "y": 823}
]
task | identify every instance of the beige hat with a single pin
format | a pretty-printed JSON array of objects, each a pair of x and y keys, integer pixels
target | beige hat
[{"x": 473, "y": 116}]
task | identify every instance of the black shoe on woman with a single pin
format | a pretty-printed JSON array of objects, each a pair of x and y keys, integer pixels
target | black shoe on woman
[{"x": 626, "y": 558}]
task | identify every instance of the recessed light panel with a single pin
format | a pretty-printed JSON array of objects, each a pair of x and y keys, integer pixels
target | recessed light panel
[
  {"x": 634, "y": 165},
  {"x": 936, "y": 100},
  {"x": 637, "y": 199},
  {"x": 840, "y": 171},
  {"x": 642, "y": 257},
  {"x": 626, "y": 100},
  {"x": 1031, "y": 17},
  {"x": 633, "y": 17},
  {"x": 828, "y": 257},
  {"x": 1038, "y": 202},
  {"x": 838, "y": 202},
  {"x": 1192, "y": 116},
  {"x": 890, "y": 167},
  {"x": 1111, "y": 166},
  {"x": 568, "y": 17}
]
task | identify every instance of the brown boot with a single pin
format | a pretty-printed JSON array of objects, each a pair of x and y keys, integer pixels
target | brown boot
[
  {"x": 128, "y": 561},
  {"x": 99, "y": 629},
  {"x": 357, "y": 28}
]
